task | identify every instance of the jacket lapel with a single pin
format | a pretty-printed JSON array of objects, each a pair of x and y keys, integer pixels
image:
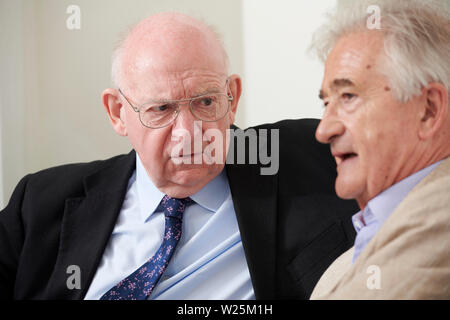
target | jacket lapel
[
  {"x": 255, "y": 203},
  {"x": 87, "y": 226},
  {"x": 89, "y": 221}
]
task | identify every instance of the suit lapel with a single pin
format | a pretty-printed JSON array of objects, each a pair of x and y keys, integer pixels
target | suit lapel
[
  {"x": 255, "y": 203},
  {"x": 87, "y": 226}
]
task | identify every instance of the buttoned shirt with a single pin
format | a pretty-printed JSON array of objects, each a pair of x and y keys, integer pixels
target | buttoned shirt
[
  {"x": 368, "y": 221},
  {"x": 209, "y": 261}
]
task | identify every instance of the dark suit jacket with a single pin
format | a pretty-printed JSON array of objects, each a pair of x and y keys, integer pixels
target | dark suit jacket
[{"x": 292, "y": 224}]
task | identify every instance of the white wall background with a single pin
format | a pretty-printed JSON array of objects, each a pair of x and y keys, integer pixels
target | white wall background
[
  {"x": 12, "y": 94},
  {"x": 282, "y": 80},
  {"x": 1, "y": 164},
  {"x": 51, "y": 78}
]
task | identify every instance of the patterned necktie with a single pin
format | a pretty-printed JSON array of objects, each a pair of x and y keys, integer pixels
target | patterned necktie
[{"x": 140, "y": 284}]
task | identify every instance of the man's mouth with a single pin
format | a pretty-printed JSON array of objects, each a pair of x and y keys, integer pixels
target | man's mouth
[
  {"x": 340, "y": 157},
  {"x": 190, "y": 155},
  {"x": 189, "y": 158}
]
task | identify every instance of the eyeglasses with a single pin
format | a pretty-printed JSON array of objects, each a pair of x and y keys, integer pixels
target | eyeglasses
[{"x": 208, "y": 107}]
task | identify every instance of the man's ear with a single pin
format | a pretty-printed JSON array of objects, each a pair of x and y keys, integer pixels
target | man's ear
[
  {"x": 434, "y": 110},
  {"x": 114, "y": 108},
  {"x": 235, "y": 84}
]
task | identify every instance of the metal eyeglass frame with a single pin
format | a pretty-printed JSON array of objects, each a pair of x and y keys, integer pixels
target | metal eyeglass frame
[{"x": 179, "y": 102}]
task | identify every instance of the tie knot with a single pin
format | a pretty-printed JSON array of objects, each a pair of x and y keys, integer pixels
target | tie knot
[{"x": 174, "y": 207}]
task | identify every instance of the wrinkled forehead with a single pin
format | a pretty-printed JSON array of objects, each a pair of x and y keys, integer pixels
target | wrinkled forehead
[
  {"x": 355, "y": 57},
  {"x": 176, "y": 86},
  {"x": 169, "y": 54}
]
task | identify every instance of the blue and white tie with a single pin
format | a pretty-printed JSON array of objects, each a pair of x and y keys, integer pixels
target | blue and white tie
[{"x": 140, "y": 284}]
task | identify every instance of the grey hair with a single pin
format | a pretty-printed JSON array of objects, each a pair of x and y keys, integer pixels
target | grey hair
[
  {"x": 416, "y": 40},
  {"x": 116, "y": 59}
]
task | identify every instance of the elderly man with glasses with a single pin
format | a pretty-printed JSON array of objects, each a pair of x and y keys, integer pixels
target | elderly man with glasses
[{"x": 164, "y": 222}]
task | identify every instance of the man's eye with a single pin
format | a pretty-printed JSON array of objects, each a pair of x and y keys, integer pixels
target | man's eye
[
  {"x": 206, "y": 102},
  {"x": 348, "y": 96},
  {"x": 160, "y": 108}
]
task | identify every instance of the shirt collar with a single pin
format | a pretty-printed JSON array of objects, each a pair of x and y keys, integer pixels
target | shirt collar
[
  {"x": 210, "y": 196},
  {"x": 381, "y": 207}
]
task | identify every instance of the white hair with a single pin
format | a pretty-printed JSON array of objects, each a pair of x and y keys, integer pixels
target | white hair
[
  {"x": 116, "y": 59},
  {"x": 416, "y": 40}
]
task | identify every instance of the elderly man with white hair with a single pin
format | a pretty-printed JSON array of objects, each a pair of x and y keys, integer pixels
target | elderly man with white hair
[{"x": 387, "y": 120}]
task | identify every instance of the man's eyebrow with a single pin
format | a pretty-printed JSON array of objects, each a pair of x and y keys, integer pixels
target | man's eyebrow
[
  {"x": 337, "y": 83},
  {"x": 208, "y": 90},
  {"x": 201, "y": 92}
]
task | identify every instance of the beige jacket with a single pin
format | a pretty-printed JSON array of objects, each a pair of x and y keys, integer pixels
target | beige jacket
[{"x": 408, "y": 258}]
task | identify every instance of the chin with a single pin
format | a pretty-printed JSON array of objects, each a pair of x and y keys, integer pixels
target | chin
[
  {"x": 346, "y": 190},
  {"x": 343, "y": 195},
  {"x": 188, "y": 177},
  {"x": 182, "y": 187},
  {"x": 195, "y": 177}
]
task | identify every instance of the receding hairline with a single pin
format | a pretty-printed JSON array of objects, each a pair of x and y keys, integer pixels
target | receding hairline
[{"x": 166, "y": 21}]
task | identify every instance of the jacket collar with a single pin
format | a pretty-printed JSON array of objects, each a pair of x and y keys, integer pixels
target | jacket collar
[
  {"x": 87, "y": 224},
  {"x": 255, "y": 204}
]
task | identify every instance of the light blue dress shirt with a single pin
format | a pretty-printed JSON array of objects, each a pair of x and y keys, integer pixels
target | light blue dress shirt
[
  {"x": 209, "y": 261},
  {"x": 368, "y": 221}
]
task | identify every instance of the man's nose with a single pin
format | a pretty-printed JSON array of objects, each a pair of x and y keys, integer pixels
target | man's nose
[
  {"x": 185, "y": 120},
  {"x": 330, "y": 127}
]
